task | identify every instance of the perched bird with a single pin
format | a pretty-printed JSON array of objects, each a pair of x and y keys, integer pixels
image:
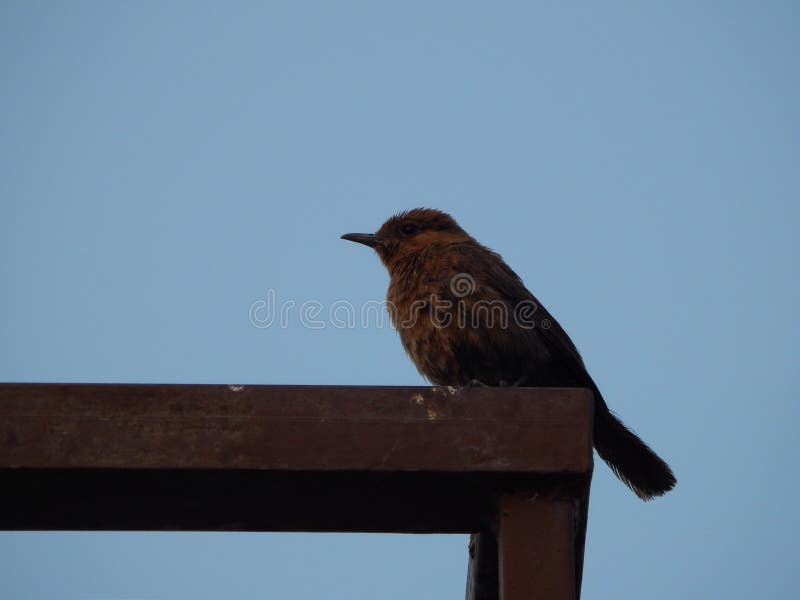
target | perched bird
[{"x": 465, "y": 318}]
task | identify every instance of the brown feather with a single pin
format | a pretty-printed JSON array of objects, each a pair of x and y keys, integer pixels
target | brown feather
[{"x": 458, "y": 309}]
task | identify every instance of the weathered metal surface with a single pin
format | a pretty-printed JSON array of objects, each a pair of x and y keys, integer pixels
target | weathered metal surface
[
  {"x": 531, "y": 544},
  {"x": 295, "y": 428},
  {"x": 312, "y": 458},
  {"x": 536, "y": 548}
]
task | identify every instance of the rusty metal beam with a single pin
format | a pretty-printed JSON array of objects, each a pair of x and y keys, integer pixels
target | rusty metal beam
[
  {"x": 536, "y": 547},
  {"x": 295, "y": 428},
  {"x": 311, "y": 458}
]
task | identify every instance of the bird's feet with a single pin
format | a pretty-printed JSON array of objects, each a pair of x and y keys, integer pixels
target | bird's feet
[
  {"x": 504, "y": 383},
  {"x": 476, "y": 383}
]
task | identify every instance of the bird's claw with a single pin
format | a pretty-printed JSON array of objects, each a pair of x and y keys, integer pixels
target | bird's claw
[{"x": 476, "y": 383}]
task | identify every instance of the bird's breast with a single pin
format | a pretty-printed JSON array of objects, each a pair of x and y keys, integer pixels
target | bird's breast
[{"x": 452, "y": 343}]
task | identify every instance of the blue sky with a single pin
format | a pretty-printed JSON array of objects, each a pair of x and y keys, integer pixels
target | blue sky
[{"x": 163, "y": 165}]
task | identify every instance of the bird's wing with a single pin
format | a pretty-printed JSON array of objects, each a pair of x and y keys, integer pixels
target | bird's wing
[{"x": 494, "y": 278}]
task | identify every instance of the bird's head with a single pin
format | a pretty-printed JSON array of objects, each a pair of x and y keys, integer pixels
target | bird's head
[{"x": 410, "y": 232}]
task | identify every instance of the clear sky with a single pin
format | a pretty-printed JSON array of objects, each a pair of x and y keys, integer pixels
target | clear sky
[{"x": 163, "y": 165}]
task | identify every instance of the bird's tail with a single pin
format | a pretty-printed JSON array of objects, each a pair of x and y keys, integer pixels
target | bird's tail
[{"x": 629, "y": 457}]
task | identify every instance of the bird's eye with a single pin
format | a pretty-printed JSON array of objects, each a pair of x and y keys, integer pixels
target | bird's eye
[{"x": 410, "y": 229}]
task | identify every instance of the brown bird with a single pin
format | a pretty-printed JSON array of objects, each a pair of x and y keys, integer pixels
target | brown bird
[{"x": 465, "y": 318}]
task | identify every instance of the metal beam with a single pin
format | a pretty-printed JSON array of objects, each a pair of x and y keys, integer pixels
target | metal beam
[{"x": 310, "y": 458}]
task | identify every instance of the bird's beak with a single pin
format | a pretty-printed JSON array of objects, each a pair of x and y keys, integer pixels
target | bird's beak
[{"x": 368, "y": 239}]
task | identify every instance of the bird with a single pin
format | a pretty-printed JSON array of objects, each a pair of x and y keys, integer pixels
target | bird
[{"x": 465, "y": 318}]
